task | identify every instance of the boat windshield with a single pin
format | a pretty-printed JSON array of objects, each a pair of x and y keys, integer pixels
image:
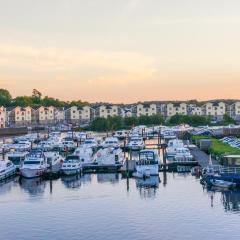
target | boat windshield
[
  {"x": 31, "y": 162},
  {"x": 147, "y": 156}
]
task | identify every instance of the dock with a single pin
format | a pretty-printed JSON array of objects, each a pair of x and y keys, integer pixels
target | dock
[{"x": 202, "y": 158}]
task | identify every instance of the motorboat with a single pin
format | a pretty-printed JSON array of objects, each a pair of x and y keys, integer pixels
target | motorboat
[
  {"x": 121, "y": 134},
  {"x": 54, "y": 161},
  {"x": 90, "y": 143},
  {"x": 222, "y": 183},
  {"x": 111, "y": 142},
  {"x": 67, "y": 145},
  {"x": 172, "y": 147},
  {"x": 136, "y": 143},
  {"x": 148, "y": 164},
  {"x": 17, "y": 158},
  {"x": 183, "y": 155},
  {"x": 85, "y": 155},
  {"x": 34, "y": 165},
  {"x": 109, "y": 156},
  {"x": 22, "y": 145},
  {"x": 71, "y": 165},
  {"x": 7, "y": 169}
]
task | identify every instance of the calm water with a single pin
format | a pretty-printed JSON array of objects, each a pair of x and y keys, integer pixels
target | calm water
[{"x": 106, "y": 206}]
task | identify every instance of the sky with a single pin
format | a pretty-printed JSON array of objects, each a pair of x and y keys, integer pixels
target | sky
[{"x": 121, "y": 51}]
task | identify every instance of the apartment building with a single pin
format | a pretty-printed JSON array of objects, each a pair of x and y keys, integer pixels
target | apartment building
[
  {"x": 3, "y": 117},
  {"x": 145, "y": 109},
  {"x": 234, "y": 110},
  {"x": 214, "y": 109},
  {"x": 176, "y": 108},
  {"x": 21, "y": 116},
  {"x": 45, "y": 115},
  {"x": 105, "y": 111}
]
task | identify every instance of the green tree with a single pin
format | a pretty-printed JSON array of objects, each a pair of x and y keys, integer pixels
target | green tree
[
  {"x": 100, "y": 125},
  {"x": 227, "y": 120},
  {"x": 22, "y": 101},
  {"x": 5, "y": 98}
]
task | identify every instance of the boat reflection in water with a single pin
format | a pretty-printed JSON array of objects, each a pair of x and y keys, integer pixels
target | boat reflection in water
[
  {"x": 34, "y": 186},
  {"x": 231, "y": 200},
  {"x": 6, "y": 185},
  {"x": 148, "y": 187},
  {"x": 108, "y": 177},
  {"x": 76, "y": 181}
]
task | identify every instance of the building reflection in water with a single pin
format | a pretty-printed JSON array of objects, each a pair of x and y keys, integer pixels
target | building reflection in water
[
  {"x": 148, "y": 187},
  {"x": 34, "y": 186}
]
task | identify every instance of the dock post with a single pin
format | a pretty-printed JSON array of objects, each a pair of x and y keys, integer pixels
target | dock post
[{"x": 159, "y": 142}]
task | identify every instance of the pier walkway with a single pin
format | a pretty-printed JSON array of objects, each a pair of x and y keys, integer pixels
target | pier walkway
[{"x": 202, "y": 158}]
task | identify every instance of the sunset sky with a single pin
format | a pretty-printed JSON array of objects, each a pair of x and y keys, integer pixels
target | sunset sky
[{"x": 121, "y": 50}]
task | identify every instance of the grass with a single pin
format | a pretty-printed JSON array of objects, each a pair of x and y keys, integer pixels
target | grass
[{"x": 218, "y": 147}]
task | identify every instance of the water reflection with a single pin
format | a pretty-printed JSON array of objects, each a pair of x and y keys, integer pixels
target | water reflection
[
  {"x": 108, "y": 177},
  {"x": 34, "y": 186},
  {"x": 148, "y": 187},
  {"x": 72, "y": 181},
  {"x": 231, "y": 200}
]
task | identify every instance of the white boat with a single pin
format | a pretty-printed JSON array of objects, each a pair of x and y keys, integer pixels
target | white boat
[
  {"x": 168, "y": 134},
  {"x": 54, "y": 161},
  {"x": 136, "y": 143},
  {"x": 222, "y": 183},
  {"x": 172, "y": 147},
  {"x": 7, "y": 169},
  {"x": 85, "y": 155},
  {"x": 71, "y": 165},
  {"x": 34, "y": 165},
  {"x": 121, "y": 134},
  {"x": 22, "y": 145},
  {"x": 17, "y": 158},
  {"x": 111, "y": 142},
  {"x": 148, "y": 164},
  {"x": 90, "y": 143},
  {"x": 67, "y": 145},
  {"x": 109, "y": 156},
  {"x": 183, "y": 155}
]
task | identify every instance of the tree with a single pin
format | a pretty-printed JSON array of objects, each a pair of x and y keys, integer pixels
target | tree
[
  {"x": 5, "y": 98},
  {"x": 227, "y": 120},
  {"x": 22, "y": 101},
  {"x": 100, "y": 125},
  {"x": 36, "y": 94}
]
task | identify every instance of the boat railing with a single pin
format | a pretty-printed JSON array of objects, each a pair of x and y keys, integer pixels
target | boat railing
[{"x": 230, "y": 170}]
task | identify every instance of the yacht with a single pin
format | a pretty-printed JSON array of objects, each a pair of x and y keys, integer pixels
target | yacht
[
  {"x": 90, "y": 143},
  {"x": 148, "y": 164},
  {"x": 111, "y": 142},
  {"x": 67, "y": 145},
  {"x": 54, "y": 161},
  {"x": 173, "y": 145},
  {"x": 22, "y": 145},
  {"x": 17, "y": 158},
  {"x": 71, "y": 165},
  {"x": 109, "y": 156},
  {"x": 121, "y": 134},
  {"x": 136, "y": 143},
  {"x": 34, "y": 165},
  {"x": 7, "y": 169},
  {"x": 85, "y": 155},
  {"x": 183, "y": 155}
]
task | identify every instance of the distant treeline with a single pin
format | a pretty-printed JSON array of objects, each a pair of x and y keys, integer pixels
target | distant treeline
[
  {"x": 36, "y": 100},
  {"x": 117, "y": 122}
]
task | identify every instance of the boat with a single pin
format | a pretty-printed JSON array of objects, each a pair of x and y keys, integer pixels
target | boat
[
  {"x": 85, "y": 155},
  {"x": 90, "y": 143},
  {"x": 22, "y": 145},
  {"x": 136, "y": 143},
  {"x": 148, "y": 164},
  {"x": 222, "y": 183},
  {"x": 7, "y": 169},
  {"x": 34, "y": 165},
  {"x": 183, "y": 155},
  {"x": 121, "y": 134},
  {"x": 109, "y": 156},
  {"x": 67, "y": 145},
  {"x": 17, "y": 158},
  {"x": 71, "y": 165},
  {"x": 54, "y": 161},
  {"x": 173, "y": 144},
  {"x": 111, "y": 142}
]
